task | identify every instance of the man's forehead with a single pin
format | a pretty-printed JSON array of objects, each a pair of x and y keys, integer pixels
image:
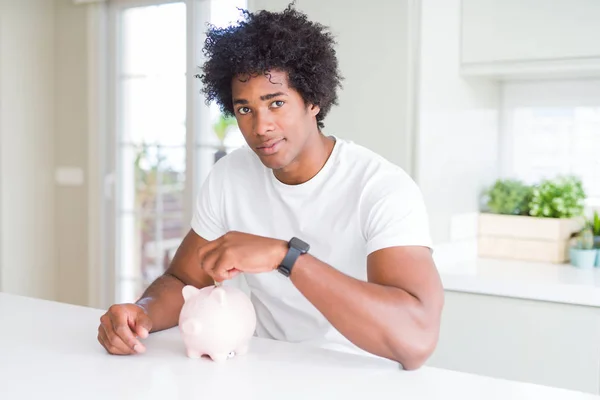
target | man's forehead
[{"x": 268, "y": 79}]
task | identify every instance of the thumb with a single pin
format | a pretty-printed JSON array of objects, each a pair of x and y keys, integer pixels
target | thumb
[{"x": 143, "y": 325}]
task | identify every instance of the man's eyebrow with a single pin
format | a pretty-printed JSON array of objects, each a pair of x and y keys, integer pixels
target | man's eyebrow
[
  {"x": 272, "y": 95},
  {"x": 263, "y": 98}
]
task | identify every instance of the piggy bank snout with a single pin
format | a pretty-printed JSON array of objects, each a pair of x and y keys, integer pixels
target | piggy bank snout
[{"x": 191, "y": 326}]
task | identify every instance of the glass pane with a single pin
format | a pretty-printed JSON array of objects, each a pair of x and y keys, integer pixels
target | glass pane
[
  {"x": 129, "y": 160},
  {"x": 172, "y": 179},
  {"x": 206, "y": 157},
  {"x": 153, "y": 40},
  {"x": 152, "y": 144},
  {"x": 148, "y": 177},
  {"x": 148, "y": 245},
  {"x": 552, "y": 141},
  {"x": 159, "y": 238},
  {"x": 160, "y": 180},
  {"x": 225, "y": 12},
  {"x": 154, "y": 109},
  {"x": 152, "y": 179},
  {"x": 222, "y": 14},
  {"x": 234, "y": 139}
]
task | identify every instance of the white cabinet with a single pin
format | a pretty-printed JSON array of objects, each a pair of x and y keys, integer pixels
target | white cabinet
[
  {"x": 505, "y": 37},
  {"x": 541, "y": 342}
]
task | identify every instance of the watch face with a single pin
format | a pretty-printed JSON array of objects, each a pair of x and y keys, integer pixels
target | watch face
[{"x": 299, "y": 244}]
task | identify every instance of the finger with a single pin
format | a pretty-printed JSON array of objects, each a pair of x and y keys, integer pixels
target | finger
[
  {"x": 207, "y": 248},
  {"x": 112, "y": 343},
  {"x": 223, "y": 268},
  {"x": 103, "y": 329},
  {"x": 101, "y": 336},
  {"x": 209, "y": 261},
  {"x": 142, "y": 325},
  {"x": 105, "y": 320},
  {"x": 122, "y": 332},
  {"x": 103, "y": 341}
]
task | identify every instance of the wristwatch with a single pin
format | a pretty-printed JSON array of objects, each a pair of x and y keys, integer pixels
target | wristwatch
[{"x": 296, "y": 247}]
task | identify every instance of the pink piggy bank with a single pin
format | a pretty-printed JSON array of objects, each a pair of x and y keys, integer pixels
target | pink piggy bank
[{"x": 216, "y": 321}]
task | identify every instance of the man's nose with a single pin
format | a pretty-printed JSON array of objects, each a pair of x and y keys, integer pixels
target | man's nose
[{"x": 263, "y": 123}]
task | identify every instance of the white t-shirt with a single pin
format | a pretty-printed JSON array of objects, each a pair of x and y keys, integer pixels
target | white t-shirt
[{"x": 357, "y": 203}]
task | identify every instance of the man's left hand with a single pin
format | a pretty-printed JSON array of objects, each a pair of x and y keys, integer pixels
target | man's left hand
[{"x": 236, "y": 252}]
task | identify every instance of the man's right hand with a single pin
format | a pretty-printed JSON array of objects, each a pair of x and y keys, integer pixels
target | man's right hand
[
  {"x": 123, "y": 324},
  {"x": 120, "y": 328}
]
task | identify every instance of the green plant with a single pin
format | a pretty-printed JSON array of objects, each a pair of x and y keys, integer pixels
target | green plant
[
  {"x": 585, "y": 239},
  {"x": 562, "y": 197},
  {"x": 509, "y": 196},
  {"x": 221, "y": 127},
  {"x": 151, "y": 173},
  {"x": 595, "y": 224}
]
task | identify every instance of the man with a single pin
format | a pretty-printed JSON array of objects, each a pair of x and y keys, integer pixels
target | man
[{"x": 332, "y": 239}]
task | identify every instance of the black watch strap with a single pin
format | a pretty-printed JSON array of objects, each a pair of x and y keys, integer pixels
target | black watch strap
[
  {"x": 296, "y": 247},
  {"x": 288, "y": 262}
]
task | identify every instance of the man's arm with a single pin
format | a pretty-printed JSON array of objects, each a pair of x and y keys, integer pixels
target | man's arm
[
  {"x": 396, "y": 314},
  {"x": 159, "y": 306},
  {"x": 163, "y": 300}
]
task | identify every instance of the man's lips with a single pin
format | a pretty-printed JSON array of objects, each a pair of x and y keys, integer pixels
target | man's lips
[
  {"x": 270, "y": 146},
  {"x": 269, "y": 143}
]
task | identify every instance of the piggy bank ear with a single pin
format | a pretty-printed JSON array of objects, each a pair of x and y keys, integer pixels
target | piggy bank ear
[
  {"x": 219, "y": 295},
  {"x": 189, "y": 291},
  {"x": 191, "y": 327}
]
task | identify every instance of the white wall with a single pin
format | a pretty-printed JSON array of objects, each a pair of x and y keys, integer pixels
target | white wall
[
  {"x": 374, "y": 105},
  {"x": 458, "y": 123},
  {"x": 27, "y": 264}
]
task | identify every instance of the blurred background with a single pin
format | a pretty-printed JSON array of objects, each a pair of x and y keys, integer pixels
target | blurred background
[{"x": 492, "y": 106}]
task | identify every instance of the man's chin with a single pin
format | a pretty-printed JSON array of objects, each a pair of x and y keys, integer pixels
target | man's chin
[
  {"x": 273, "y": 162},
  {"x": 273, "y": 165}
]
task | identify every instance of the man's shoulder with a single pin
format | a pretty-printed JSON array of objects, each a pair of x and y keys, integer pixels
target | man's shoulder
[
  {"x": 241, "y": 160},
  {"x": 240, "y": 155},
  {"x": 377, "y": 181},
  {"x": 370, "y": 166}
]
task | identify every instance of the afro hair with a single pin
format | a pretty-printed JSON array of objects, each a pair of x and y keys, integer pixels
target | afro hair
[{"x": 265, "y": 41}]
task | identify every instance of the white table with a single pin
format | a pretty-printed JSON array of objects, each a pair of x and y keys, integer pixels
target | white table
[{"x": 49, "y": 351}]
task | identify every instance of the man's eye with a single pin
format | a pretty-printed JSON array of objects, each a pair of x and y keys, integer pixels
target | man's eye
[
  {"x": 243, "y": 110},
  {"x": 278, "y": 103}
]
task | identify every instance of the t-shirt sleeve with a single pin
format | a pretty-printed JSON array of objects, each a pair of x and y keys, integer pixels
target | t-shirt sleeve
[
  {"x": 207, "y": 219},
  {"x": 393, "y": 213}
]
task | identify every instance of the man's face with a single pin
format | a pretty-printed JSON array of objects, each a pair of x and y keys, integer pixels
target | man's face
[{"x": 272, "y": 117}]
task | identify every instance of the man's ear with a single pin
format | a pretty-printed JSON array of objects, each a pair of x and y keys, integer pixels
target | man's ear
[{"x": 313, "y": 109}]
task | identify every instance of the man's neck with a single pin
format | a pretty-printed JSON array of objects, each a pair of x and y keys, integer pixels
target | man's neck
[{"x": 309, "y": 163}]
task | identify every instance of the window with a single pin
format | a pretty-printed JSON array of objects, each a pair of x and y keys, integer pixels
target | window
[
  {"x": 552, "y": 128},
  {"x": 164, "y": 143},
  {"x": 211, "y": 146}
]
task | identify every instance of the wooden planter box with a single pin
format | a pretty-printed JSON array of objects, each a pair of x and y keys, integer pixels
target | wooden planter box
[{"x": 526, "y": 238}]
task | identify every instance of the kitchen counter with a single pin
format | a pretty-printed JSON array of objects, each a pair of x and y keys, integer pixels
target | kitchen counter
[
  {"x": 49, "y": 350},
  {"x": 561, "y": 283}
]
